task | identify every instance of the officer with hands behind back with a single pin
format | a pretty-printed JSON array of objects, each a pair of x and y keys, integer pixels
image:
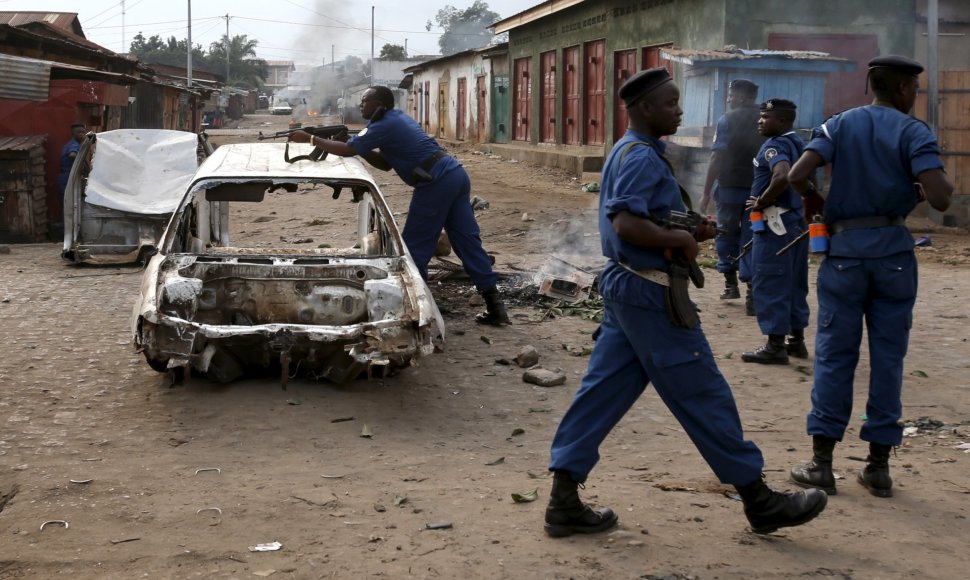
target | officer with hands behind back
[
  {"x": 780, "y": 282},
  {"x": 638, "y": 343},
  {"x": 879, "y": 154},
  {"x": 393, "y": 140}
]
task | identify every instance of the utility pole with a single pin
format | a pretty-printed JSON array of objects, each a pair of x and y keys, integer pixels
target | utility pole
[
  {"x": 932, "y": 64},
  {"x": 371, "y": 45},
  {"x": 227, "y": 54},
  {"x": 405, "y": 48},
  {"x": 124, "y": 49},
  {"x": 188, "y": 60},
  {"x": 333, "y": 63}
]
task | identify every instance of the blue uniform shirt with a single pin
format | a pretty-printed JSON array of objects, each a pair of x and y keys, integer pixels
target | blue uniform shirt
[
  {"x": 787, "y": 147},
  {"x": 876, "y": 153},
  {"x": 68, "y": 153},
  {"x": 642, "y": 184},
  {"x": 402, "y": 143}
]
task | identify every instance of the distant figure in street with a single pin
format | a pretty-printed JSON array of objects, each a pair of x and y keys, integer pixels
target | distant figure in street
[
  {"x": 341, "y": 104},
  {"x": 68, "y": 154}
]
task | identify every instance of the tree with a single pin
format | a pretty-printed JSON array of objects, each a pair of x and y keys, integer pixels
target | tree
[
  {"x": 172, "y": 52},
  {"x": 245, "y": 70},
  {"x": 393, "y": 52},
  {"x": 464, "y": 29}
]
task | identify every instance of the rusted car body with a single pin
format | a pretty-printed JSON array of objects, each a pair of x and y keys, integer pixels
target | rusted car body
[
  {"x": 122, "y": 190},
  {"x": 226, "y": 306}
]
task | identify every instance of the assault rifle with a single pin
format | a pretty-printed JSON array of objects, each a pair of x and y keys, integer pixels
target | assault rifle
[
  {"x": 336, "y": 132},
  {"x": 690, "y": 222}
]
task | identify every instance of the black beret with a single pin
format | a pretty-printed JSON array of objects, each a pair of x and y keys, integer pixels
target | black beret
[
  {"x": 900, "y": 63},
  {"x": 744, "y": 85},
  {"x": 778, "y": 105},
  {"x": 643, "y": 82}
]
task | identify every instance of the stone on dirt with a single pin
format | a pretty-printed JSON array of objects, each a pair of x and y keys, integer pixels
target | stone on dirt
[
  {"x": 527, "y": 357},
  {"x": 544, "y": 377}
]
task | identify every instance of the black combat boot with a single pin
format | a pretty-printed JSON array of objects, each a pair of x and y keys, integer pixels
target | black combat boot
[
  {"x": 772, "y": 353},
  {"x": 749, "y": 302},
  {"x": 731, "y": 290},
  {"x": 495, "y": 313},
  {"x": 875, "y": 477},
  {"x": 767, "y": 509},
  {"x": 566, "y": 514},
  {"x": 796, "y": 344},
  {"x": 818, "y": 472}
]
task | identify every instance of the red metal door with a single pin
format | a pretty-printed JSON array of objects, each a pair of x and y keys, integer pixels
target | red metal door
[
  {"x": 460, "y": 132},
  {"x": 522, "y": 99},
  {"x": 595, "y": 81},
  {"x": 481, "y": 95},
  {"x": 571, "y": 92},
  {"x": 653, "y": 59},
  {"x": 624, "y": 66},
  {"x": 547, "y": 96},
  {"x": 843, "y": 90}
]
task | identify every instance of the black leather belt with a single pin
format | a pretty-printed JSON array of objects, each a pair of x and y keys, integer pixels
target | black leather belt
[
  {"x": 435, "y": 157},
  {"x": 876, "y": 221}
]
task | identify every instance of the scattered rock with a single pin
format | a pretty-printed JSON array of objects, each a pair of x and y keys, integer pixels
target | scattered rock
[
  {"x": 479, "y": 203},
  {"x": 476, "y": 300},
  {"x": 526, "y": 218},
  {"x": 443, "y": 247},
  {"x": 527, "y": 357},
  {"x": 544, "y": 377}
]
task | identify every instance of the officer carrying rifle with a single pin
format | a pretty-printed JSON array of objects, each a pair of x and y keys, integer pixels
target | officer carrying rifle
[{"x": 646, "y": 337}]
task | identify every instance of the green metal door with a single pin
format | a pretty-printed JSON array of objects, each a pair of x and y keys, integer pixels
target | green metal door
[{"x": 500, "y": 108}]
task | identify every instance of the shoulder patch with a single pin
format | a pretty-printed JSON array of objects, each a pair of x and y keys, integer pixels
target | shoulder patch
[
  {"x": 770, "y": 153},
  {"x": 362, "y": 132}
]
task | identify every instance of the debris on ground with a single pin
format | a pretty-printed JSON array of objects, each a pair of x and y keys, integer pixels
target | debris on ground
[
  {"x": 590, "y": 187},
  {"x": 527, "y": 357},
  {"x": 479, "y": 203},
  {"x": 544, "y": 377}
]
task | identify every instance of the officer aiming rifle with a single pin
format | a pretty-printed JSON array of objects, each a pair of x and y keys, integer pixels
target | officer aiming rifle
[{"x": 333, "y": 132}]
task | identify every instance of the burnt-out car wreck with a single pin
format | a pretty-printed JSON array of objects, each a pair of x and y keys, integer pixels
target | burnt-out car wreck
[
  {"x": 122, "y": 190},
  {"x": 229, "y": 306}
]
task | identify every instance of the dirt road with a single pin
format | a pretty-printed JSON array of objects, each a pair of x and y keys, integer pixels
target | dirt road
[{"x": 453, "y": 438}]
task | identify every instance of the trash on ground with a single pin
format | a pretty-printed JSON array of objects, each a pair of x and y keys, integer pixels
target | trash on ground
[
  {"x": 562, "y": 280},
  {"x": 526, "y": 497},
  {"x": 82, "y": 481},
  {"x": 366, "y": 432},
  {"x": 590, "y": 187},
  {"x": 923, "y": 242},
  {"x": 204, "y": 469},
  {"x": 62, "y": 522},
  {"x": 270, "y": 547},
  {"x": 439, "y": 526}
]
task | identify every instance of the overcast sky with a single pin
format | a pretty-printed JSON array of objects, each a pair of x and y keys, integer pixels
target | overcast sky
[{"x": 304, "y": 31}]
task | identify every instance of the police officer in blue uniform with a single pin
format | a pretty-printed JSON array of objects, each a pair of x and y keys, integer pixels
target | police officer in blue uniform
[
  {"x": 68, "y": 154},
  {"x": 884, "y": 162},
  {"x": 736, "y": 141},
  {"x": 637, "y": 342},
  {"x": 780, "y": 282},
  {"x": 393, "y": 140}
]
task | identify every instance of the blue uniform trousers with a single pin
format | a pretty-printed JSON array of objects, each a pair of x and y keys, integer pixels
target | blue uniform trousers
[
  {"x": 781, "y": 282},
  {"x": 444, "y": 203},
  {"x": 881, "y": 291},
  {"x": 729, "y": 203},
  {"x": 636, "y": 345}
]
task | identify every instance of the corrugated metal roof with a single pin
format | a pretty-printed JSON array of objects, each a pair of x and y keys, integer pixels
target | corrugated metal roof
[
  {"x": 22, "y": 143},
  {"x": 24, "y": 79},
  {"x": 690, "y": 56},
  {"x": 65, "y": 20}
]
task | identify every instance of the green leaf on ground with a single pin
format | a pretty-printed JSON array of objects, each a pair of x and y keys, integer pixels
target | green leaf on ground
[{"x": 526, "y": 497}]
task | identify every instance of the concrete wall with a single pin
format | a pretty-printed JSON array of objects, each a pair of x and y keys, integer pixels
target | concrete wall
[{"x": 749, "y": 22}]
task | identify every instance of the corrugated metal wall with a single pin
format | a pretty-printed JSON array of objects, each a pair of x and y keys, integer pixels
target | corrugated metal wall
[{"x": 24, "y": 79}]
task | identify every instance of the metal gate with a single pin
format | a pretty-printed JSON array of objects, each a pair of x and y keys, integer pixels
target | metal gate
[
  {"x": 571, "y": 95},
  {"x": 442, "y": 109},
  {"x": 500, "y": 108},
  {"x": 595, "y": 83},
  {"x": 624, "y": 66},
  {"x": 522, "y": 98},
  {"x": 547, "y": 97}
]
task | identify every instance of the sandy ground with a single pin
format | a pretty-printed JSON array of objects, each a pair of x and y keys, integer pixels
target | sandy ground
[{"x": 453, "y": 438}]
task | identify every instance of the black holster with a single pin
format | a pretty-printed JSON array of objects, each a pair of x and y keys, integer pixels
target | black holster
[{"x": 680, "y": 310}]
